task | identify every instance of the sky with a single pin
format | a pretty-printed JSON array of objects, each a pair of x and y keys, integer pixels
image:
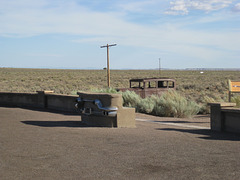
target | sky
[{"x": 68, "y": 34}]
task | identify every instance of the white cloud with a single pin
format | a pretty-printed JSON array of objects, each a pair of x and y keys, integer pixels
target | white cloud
[
  {"x": 66, "y": 18},
  {"x": 35, "y": 18},
  {"x": 236, "y": 8},
  {"x": 184, "y": 6},
  {"x": 178, "y": 6},
  {"x": 137, "y": 6}
]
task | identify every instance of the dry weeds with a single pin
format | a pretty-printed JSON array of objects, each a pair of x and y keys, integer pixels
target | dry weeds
[{"x": 209, "y": 86}]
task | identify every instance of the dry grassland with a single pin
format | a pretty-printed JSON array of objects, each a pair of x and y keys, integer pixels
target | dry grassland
[{"x": 209, "y": 86}]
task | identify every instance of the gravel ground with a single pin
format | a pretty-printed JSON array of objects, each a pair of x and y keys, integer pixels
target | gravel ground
[{"x": 35, "y": 144}]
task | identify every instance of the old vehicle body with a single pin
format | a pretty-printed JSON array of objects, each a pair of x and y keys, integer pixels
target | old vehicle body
[{"x": 150, "y": 86}]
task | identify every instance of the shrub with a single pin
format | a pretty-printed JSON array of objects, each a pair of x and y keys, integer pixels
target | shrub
[
  {"x": 236, "y": 99},
  {"x": 170, "y": 104},
  {"x": 204, "y": 100},
  {"x": 106, "y": 90},
  {"x": 131, "y": 99},
  {"x": 146, "y": 105}
]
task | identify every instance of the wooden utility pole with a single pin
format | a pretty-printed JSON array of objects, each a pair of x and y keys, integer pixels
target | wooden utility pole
[
  {"x": 159, "y": 67},
  {"x": 108, "y": 69}
]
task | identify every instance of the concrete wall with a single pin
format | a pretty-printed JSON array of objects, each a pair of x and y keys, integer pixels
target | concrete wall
[
  {"x": 47, "y": 99},
  {"x": 224, "y": 117},
  {"x": 41, "y": 99},
  {"x": 61, "y": 102},
  {"x": 20, "y": 99},
  {"x": 231, "y": 120}
]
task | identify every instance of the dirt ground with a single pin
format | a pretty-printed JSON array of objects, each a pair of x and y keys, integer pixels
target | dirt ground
[{"x": 35, "y": 144}]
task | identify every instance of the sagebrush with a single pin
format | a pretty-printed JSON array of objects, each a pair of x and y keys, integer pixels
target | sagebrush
[
  {"x": 195, "y": 86},
  {"x": 170, "y": 104}
]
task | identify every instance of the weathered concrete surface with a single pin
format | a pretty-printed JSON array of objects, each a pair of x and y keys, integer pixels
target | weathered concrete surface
[
  {"x": 50, "y": 145},
  {"x": 225, "y": 117},
  {"x": 125, "y": 117},
  {"x": 40, "y": 99}
]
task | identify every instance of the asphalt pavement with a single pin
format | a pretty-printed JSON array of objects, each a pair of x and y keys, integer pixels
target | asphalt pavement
[{"x": 38, "y": 144}]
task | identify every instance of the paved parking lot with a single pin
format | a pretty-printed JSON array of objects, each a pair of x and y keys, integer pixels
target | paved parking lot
[{"x": 35, "y": 144}]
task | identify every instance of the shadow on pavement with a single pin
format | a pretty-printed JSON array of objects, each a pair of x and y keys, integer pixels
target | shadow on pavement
[
  {"x": 44, "y": 110},
  {"x": 182, "y": 122},
  {"x": 73, "y": 124},
  {"x": 207, "y": 134}
]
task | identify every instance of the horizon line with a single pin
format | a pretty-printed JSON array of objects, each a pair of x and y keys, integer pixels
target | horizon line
[{"x": 63, "y": 68}]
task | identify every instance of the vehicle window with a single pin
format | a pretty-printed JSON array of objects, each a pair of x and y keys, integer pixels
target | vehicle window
[
  {"x": 136, "y": 85},
  {"x": 152, "y": 84},
  {"x": 162, "y": 84},
  {"x": 171, "y": 84}
]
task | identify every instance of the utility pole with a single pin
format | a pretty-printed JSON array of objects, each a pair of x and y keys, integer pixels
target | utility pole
[
  {"x": 159, "y": 67},
  {"x": 108, "y": 69}
]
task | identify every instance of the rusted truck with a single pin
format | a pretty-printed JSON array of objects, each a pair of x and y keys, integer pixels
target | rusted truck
[{"x": 150, "y": 86}]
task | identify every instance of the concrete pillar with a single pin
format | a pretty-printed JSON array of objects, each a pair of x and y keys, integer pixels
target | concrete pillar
[
  {"x": 216, "y": 118},
  {"x": 42, "y": 98}
]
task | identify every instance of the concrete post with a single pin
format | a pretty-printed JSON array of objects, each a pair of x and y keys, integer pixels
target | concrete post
[
  {"x": 216, "y": 118},
  {"x": 42, "y": 98}
]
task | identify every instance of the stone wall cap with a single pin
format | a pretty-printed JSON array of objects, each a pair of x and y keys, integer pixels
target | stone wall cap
[
  {"x": 45, "y": 92},
  {"x": 18, "y": 93},
  {"x": 99, "y": 94},
  {"x": 222, "y": 104},
  {"x": 63, "y": 95},
  {"x": 232, "y": 110}
]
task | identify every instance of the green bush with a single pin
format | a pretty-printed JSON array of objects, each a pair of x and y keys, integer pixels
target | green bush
[
  {"x": 131, "y": 99},
  {"x": 170, "y": 104},
  {"x": 204, "y": 100},
  {"x": 146, "y": 105},
  {"x": 236, "y": 99},
  {"x": 106, "y": 90}
]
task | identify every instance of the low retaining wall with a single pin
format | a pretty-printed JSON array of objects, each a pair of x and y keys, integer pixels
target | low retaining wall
[
  {"x": 47, "y": 99},
  {"x": 20, "y": 99},
  {"x": 61, "y": 102},
  {"x": 224, "y": 117},
  {"x": 231, "y": 120},
  {"x": 40, "y": 99}
]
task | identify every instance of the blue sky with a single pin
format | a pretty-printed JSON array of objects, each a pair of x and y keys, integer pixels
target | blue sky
[{"x": 69, "y": 33}]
